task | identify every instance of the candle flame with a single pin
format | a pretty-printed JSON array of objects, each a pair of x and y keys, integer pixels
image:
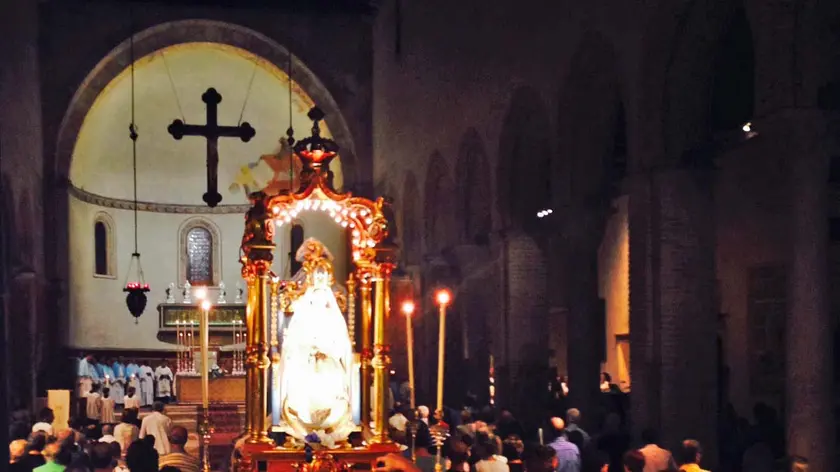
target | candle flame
[
  {"x": 443, "y": 297},
  {"x": 407, "y": 307},
  {"x": 205, "y": 305}
]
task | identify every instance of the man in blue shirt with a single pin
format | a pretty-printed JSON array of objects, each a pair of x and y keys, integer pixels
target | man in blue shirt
[{"x": 568, "y": 455}]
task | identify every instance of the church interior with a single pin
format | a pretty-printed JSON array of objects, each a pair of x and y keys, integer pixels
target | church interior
[{"x": 649, "y": 190}]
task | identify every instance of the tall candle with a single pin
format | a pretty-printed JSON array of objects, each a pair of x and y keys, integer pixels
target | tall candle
[
  {"x": 408, "y": 310},
  {"x": 204, "y": 327},
  {"x": 443, "y": 300}
]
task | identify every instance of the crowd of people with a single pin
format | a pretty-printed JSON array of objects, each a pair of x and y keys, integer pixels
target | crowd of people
[
  {"x": 131, "y": 445},
  {"x": 485, "y": 442}
]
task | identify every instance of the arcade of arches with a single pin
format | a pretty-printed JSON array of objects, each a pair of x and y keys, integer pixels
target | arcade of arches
[{"x": 689, "y": 256}]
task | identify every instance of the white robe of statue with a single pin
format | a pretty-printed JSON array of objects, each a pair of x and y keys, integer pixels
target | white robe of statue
[{"x": 317, "y": 362}]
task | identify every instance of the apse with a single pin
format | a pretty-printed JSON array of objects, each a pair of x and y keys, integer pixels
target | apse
[{"x": 178, "y": 236}]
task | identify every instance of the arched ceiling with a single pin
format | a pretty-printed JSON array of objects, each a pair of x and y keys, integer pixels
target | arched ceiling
[{"x": 170, "y": 171}]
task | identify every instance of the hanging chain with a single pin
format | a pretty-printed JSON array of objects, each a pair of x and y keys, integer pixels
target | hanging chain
[
  {"x": 171, "y": 84},
  {"x": 247, "y": 93},
  {"x": 132, "y": 132}
]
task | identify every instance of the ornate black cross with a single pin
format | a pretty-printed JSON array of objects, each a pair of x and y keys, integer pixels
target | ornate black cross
[{"x": 212, "y": 132}]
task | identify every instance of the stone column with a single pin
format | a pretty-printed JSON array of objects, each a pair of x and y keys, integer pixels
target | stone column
[
  {"x": 584, "y": 339},
  {"x": 809, "y": 333},
  {"x": 672, "y": 305},
  {"x": 525, "y": 358}
]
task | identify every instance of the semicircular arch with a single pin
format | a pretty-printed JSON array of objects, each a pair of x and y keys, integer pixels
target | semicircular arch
[{"x": 172, "y": 33}]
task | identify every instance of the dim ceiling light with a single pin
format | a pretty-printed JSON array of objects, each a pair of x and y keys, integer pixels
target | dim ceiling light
[
  {"x": 544, "y": 213},
  {"x": 747, "y": 127}
]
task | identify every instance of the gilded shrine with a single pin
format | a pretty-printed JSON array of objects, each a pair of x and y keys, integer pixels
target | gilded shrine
[{"x": 316, "y": 350}]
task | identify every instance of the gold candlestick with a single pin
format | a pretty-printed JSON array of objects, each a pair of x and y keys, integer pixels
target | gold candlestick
[
  {"x": 204, "y": 429},
  {"x": 443, "y": 299}
]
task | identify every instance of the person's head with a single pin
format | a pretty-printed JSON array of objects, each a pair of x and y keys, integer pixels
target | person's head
[
  {"x": 36, "y": 443},
  {"x": 634, "y": 461},
  {"x": 129, "y": 416},
  {"x": 102, "y": 457},
  {"x": 178, "y": 437},
  {"x": 46, "y": 415},
  {"x": 107, "y": 430},
  {"x": 466, "y": 417},
  {"x": 106, "y": 392},
  {"x": 141, "y": 457},
  {"x": 558, "y": 424},
  {"x": 540, "y": 459},
  {"x": 130, "y": 391},
  {"x": 17, "y": 449},
  {"x": 650, "y": 436},
  {"x": 158, "y": 407},
  {"x": 573, "y": 416},
  {"x": 423, "y": 411},
  {"x": 116, "y": 450},
  {"x": 169, "y": 468},
  {"x": 690, "y": 452},
  {"x": 51, "y": 451},
  {"x": 94, "y": 388}
]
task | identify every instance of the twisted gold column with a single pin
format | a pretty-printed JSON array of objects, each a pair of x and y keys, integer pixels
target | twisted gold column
[
  {"x": 381, "y": 360},
  {"x": 364, "y": 291},
  {"x": 257, "y": 363}
]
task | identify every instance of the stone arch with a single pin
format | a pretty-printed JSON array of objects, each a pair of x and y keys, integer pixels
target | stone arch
[
  {"x": 438, "y": 212},
  {"x": 176, "y": 32},
  {"x": 523, "y": 177},
  {"x": 110, "y": 245},
  {"x": 678, "y": 80},
  {"x": 216, "y": 247},
  {"x": 410, "y": 214},
  {"x": 591, "y": 124},
  {"x": 474, "y": 192}
]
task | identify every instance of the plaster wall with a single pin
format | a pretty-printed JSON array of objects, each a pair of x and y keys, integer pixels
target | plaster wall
[
  {"x": 614, "y": 289},
  {"x": 98, "y": 316}
]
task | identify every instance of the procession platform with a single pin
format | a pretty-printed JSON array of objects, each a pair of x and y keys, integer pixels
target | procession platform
[
  {"x": 285, "y": 460},
  {"x": 227, "y": 389}
]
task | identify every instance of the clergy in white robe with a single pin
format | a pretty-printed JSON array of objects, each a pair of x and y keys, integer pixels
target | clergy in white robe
[
  {"x": 147, "y": 384},
  {"x": 164, "y": 378},
  {"x": 87, "y": 376},
  {"x": 118, "y": 385},
  {"x": 158, "y": 425}
]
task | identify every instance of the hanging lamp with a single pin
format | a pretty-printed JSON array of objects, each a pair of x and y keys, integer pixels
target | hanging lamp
[{"x": 135, "y": 284}]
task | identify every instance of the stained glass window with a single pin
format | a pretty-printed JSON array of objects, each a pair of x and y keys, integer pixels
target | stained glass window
[
  {"x": 100, "y": 248},
  {"x": 199, "y": 256}
]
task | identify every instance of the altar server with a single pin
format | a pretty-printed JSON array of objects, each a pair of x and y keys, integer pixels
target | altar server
[
  {"x": 164, "y": 378},
  {"x": 132, "y": 375},
  {"x": 147, "y": 384},
  {"x": 118, "y": 386},
  {"x": 106, "y": 374}
]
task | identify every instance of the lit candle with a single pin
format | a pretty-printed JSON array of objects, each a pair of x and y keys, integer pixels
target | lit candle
[
  {"x": 205, "y": 355},
  {"x": 177, "y": 345},
  {"x": 443, "y": 299},
  {"x": 408, "y": 310}
]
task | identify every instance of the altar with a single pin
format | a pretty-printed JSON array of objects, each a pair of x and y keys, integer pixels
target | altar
[{"x": 227, "y": 389}]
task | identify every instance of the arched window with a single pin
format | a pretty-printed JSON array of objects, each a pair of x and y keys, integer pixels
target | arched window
[
  {"x": 103, "y": 246},
  {"x": 200, "y": 256},
  {"x": 200, "y": 262},
  {"x": 296, "y": 241}
]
